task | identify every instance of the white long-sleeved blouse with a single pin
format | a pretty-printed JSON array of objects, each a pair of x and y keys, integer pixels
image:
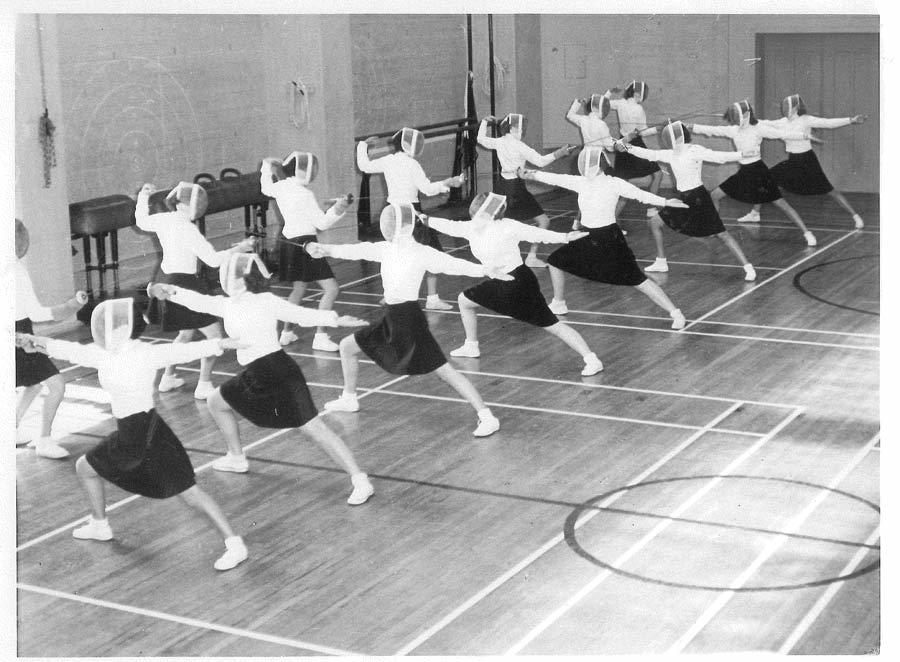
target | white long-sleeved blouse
[
  {"x": 298, "y": 205},
  {"x": 253, "y": 318},
  {"x": 748, "y": 138},
  {"x": 496, "y": 244},
  {"x": 686, "y": 163},
  {"x": 180, "y": 239},
  {"x": 404, "y": 265},
  {"x": 802, "y": 124},
  {"x": 27, "y": 304},
  {"x": 597, "y": 197},
  {"x": 128, "y": 375},
  {"x": 594, "y": 130},
  {"x": 512, "y": 152},
  {"x": 403, "y": 175}
]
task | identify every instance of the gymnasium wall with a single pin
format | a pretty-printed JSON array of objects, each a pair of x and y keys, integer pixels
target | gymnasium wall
[
  {"x": 692, "y": 64},
  {"x": 159, "y": 98}
]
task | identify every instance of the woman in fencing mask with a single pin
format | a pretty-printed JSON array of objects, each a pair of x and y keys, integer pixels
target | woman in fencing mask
[
  {"x": 271, "y": 390},
  {"x": 701, "y": 218},
  {"x": 401, "y": 342},
  {"x": 633, "y": 126},
  {"x": 34, "y": 371},
  {"x": 593, "y": 127},
  {"x": 753, "y": 182},
  {"x": 494, "y": 241},
  {"x": 514, "y": 154},
  {"x": 801, "y": 173},
  {"x": 603, "y": 256},
  {"x": 182, "y": 246},
  {"x": 303, "y": 218},
  {"x": 405, "y": 179},
  {"x": 143, "y": 456}
]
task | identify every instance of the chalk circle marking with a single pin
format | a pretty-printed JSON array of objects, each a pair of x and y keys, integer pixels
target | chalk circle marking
[{"x": 571, "y": 539}]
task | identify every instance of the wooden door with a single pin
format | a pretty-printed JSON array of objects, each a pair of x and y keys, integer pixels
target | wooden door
[{"x": 837, "y": 75}]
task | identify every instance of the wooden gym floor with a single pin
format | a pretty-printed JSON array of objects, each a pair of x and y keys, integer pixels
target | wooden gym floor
[{"x": 712, "y": 490}]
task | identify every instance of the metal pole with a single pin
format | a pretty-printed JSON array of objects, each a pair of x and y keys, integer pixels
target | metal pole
[{"x": 494, "y": 163}]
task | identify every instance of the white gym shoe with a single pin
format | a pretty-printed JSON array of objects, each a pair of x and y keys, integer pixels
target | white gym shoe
[
  {"x": 749, "y": 272},
  {"x": 592, "y": 365},
  {"x": 203, "y": 390},
  {"x": 169, "y": 383},
  {"x": 750, "y": 217},
  {"x": 810, "y": 238},
  {"x": 286, "y": 338},
  {"x": 433, "y": 302},
  {"x": 234, "y": 463},
  {"x": 235, "y": 554},
  {"x": 346, "y": 402},
  {"x": 660, "y": 265},
  {"x": 487, "y": 424},
  {"x": 469, "y": 350},
  {"x": 858, "y": 222},
  {"x": 94, "y": 529},
  {"x": 652, "y": 211},
  {"x": 535, "y": 262},
  {"x": 558, "y": 307},
  {"x": 678, "y": 320},
  {"x": 323, "y": 343},
  {"x": 47, "y": 447},
  {"x": 362, "y": 489}
]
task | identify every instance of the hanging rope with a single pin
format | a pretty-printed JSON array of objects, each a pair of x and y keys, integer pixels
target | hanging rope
[{"x": 45, "y": 126}]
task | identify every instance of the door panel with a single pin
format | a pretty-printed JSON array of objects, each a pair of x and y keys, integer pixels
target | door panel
[{"x": 837, "y": 75}]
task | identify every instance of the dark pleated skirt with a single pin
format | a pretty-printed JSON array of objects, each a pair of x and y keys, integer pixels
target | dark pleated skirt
[
  {"x": 171, "y": 316},
  {"x": 520, "y": 299},
  {"x": 401, "y": 343},
  {"x": 143, "y": 456},
  {"x": 701, "y": 220},
  {"x": 752, "y": 183},
  {"x": 31, "y": 368},
  {"x": 520, "y": 204},
  {"x": 628, "y": 166},
  {"x": 296, "y": 265},
  {"x": 802, "y": 174},
  {"x": 603, "y": 256},
  {"x": 271, "y": 392}
]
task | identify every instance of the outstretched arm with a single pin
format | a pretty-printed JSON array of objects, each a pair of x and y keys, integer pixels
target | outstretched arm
[
  {"x": 571, "y": 182},
  {"x": 159, "y": 356},
  {"x": 448, "y": 227},
  {"x": 364, "y": 250},
  {"x": 202, "y": 303}
]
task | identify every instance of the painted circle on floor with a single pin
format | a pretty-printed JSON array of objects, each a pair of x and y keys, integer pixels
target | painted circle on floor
[
  {"x": 571, "y": 538},
  {"x": 803, "y": 278}
]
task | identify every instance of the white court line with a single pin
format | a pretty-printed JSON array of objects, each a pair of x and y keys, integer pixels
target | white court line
[
  {"x": 182, "y": 620},
  {"x": 202, "y": 467},
  {"x": 684, "y": 331},
  {"x": 547, "y": 380},
  {"x": 776, "y": 225},
  {"x": 771, "y": 278},
  {"x": 826, "y": 597},
  {"x": 767, "y": 552},
  {"x": 669, "y": 319},
  {"x": 555, "y": 540},
  {"x": 566, "y": 412},
  {"x": 560, "y": 611},
  {"x": 561, "y": 412}
]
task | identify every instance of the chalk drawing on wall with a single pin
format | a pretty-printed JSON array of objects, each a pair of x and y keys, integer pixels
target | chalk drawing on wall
[{"x": 132, "y": 122}]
